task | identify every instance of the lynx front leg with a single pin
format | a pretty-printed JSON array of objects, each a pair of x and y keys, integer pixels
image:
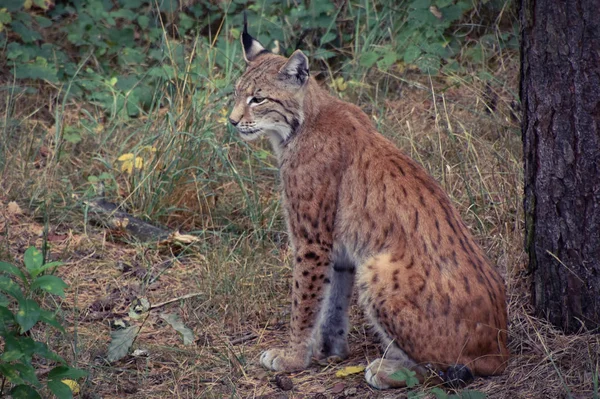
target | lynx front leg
[
  {"x": 310, "y": 282},
  {"x": 332, "y": 336}
]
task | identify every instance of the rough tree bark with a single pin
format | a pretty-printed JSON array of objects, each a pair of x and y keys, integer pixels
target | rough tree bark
[{"x": 560, "y": 94}]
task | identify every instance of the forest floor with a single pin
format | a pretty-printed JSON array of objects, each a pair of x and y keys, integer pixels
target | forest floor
[{"x": 231, "y": 287}]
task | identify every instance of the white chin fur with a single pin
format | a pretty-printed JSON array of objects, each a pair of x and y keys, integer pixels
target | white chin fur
[
  {"x": 277, "y": 135},
  {"x": 250, "y": 136}
]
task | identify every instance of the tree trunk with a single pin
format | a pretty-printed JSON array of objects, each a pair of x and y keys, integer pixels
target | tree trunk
[{"x": 560, "y": 94}]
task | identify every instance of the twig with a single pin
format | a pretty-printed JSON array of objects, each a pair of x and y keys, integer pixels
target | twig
[
  {"x": 243, "y": 338},
  {"x": 101, "y": 315},
  {"x": 110, "y": 215},
  {"x": 158, "y": 305}
]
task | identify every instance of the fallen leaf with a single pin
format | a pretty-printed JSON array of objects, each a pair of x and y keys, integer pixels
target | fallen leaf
[
  {"x": 14, "y": 209},
  {"x": 139, "y": 307},
  {"x": 36, "y": 229},
  {"x": 54, "y": 237},
  {"x": 182, "y": 238},
  {"x": 318, "y": 389},
  {"x": 120, "y": 342},
  {"x": 175, "y": 322},
  {"x": 120, "y": 223},
  {"x": 346, "y": 371},
  {"x": 73, "y": 385},
  {"x": 338, "y": 388}
]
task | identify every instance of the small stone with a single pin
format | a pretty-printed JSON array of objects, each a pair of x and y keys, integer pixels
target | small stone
[
  {"x": 284, "y": 382},
  {"x": 338, "y": 388},
  {"x": 350, "y": 391}
]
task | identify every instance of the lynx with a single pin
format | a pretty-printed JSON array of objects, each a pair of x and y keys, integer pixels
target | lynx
[{"x": 361, "y": 213}]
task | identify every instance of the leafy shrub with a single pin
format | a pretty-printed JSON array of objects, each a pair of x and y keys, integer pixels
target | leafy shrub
[
  {"x": 123, "y": 52},
  {"x": 18, "y": 315}
]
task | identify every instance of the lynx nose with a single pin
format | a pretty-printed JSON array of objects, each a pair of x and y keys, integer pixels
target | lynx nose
[{"x": 233, "y": 122}]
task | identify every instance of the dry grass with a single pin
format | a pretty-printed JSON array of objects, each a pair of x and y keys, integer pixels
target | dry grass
[{"x": 463, "y": 132}]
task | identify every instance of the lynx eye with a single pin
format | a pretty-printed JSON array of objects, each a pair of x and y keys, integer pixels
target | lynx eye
[{"x": 257, "y": 100}]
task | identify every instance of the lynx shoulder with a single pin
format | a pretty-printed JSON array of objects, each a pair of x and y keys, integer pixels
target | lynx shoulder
[{"x": 362, "y": 215}]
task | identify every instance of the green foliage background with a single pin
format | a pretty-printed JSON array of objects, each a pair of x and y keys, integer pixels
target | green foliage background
[
  {"x": 157, "y": 75},
  {"x": 117, "y": 54}
]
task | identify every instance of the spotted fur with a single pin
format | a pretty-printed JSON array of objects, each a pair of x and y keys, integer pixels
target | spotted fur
[{"x": 362, "y": 214}]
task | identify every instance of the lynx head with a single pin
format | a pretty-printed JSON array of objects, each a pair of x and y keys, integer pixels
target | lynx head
[{"x": 269, "y": 95}]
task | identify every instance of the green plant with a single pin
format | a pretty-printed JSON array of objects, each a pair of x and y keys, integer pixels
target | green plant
[
  {"x": 18, "y": 315},
  {"x": 411, "y": 380}
]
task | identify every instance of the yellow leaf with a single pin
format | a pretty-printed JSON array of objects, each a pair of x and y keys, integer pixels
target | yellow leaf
[
  {"x": 27, "y": 4},
  {"x": 339, "y": 84},
  {"x": 127, "y": 167},
  {"x": 73, "y": 385},
  {"x": 120, "y": 223},
  {"x": 125, "y": 157},
  {"x": 346, "y": 371},
  {"x": 129, "y": 162},
  {"x": 149, "y": 148},
  {"x": 223, "y": 116}
]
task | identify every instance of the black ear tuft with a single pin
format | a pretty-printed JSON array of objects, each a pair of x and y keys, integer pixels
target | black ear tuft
[
  {"x": 252, "y": 48},
  {"x": 246, "y": 38}
]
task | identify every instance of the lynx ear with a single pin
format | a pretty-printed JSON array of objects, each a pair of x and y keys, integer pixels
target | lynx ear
[
  {"x": 252, "y": 48},
  {"x": 295, "y": 69}
]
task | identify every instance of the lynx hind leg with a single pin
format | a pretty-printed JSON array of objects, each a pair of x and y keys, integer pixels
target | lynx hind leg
[
  {"x": 332, "y": 335},
  {"x": 379, "y": 372},
  {"x": 399, "y": 323}
]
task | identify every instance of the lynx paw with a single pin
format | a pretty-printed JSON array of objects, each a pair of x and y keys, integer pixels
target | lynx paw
[
  {"x": 379, "y": 373},
  {"x": 330, "y": 351},
  {"x": 281, "y": 360},
  {"x": 376, "y": 375},
  {"x": 325, "y": 361}
]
